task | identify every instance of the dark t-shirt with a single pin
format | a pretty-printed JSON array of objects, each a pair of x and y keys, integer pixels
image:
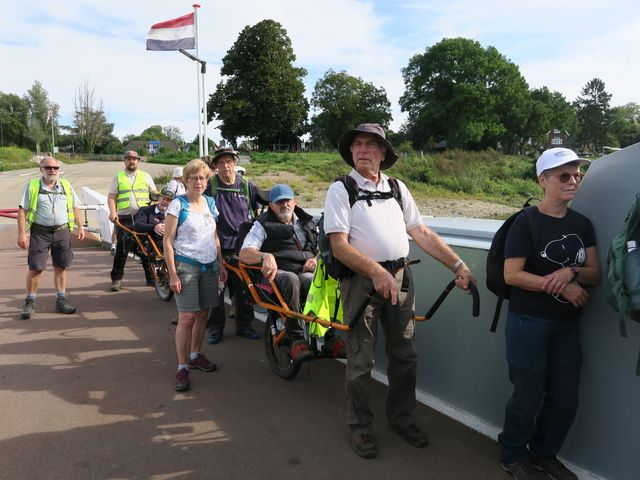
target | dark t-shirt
[
  {"x": 562, "y": 243},
  {"x": 234, "y": 210}
]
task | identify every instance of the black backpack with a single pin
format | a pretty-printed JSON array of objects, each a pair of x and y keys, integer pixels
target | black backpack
[
  {"x": 495, "y": 258},
  {"x": 334, "y": 267}
]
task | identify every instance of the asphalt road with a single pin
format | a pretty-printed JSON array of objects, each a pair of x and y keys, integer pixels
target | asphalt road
[
  {"x": 90, "y": 396},
  {"x": 95, "y": 175}
]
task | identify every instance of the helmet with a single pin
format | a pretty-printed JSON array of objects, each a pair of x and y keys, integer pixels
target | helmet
[{"x": 167, "y": 192}]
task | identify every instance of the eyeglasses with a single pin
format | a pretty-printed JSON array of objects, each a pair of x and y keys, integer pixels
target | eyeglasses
[
  {"x": 198, "y": 179},
  {"x": 50, "y": 167},
  {"x": 565, "y": 177}
]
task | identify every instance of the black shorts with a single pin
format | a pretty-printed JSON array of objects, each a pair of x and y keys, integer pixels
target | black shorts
[{"x": 42, "y": 240}]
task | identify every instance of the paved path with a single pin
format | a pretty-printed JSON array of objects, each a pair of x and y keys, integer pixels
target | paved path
[{"x": 90, "y": 396}]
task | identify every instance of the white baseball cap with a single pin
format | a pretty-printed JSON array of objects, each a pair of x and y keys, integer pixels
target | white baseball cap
[
  {"x": 177, "y": 172},
  {"x": 554, "y": 157}
]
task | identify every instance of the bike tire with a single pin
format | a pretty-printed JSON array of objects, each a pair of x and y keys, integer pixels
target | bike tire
[
  {"x": 161, "y": 281},
  {"x": 278, "y": 355}
]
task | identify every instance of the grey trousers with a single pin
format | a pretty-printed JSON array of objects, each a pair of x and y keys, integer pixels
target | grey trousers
[
  {"x": 294, "y": 289},
  {"x": 398, "y": 323}
]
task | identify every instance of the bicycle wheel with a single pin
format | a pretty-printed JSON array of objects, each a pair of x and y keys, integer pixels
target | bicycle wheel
[
  {"x": 278, "y": 354},
  {"x": 161, "y": 280}
]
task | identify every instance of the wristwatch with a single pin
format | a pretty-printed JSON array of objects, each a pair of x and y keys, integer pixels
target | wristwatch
[
  {"x": 456, "y": 265},
  {"x": 575, "y": 271}
]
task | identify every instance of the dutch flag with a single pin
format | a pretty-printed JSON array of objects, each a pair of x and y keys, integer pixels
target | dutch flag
[{"x": 176, "y": 34}]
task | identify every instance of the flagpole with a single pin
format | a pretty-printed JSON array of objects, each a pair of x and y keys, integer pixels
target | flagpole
[
  {"x": 202, "y": 134},
  {"x": 200, "y": 144}
]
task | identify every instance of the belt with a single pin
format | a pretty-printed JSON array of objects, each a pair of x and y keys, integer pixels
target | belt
[
  {"x": 52, "y": 228},
  {"x": 203, "y": 266},
  {"x": 393, "y": 264}
]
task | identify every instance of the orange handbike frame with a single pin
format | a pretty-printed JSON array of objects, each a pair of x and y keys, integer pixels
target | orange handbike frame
[{"x": 284, "y": 311}]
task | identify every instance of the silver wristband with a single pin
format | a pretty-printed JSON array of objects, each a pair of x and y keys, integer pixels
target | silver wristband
[{"x": 456, "y": 265}]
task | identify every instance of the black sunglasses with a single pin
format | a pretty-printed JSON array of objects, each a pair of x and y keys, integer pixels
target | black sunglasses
[
  {"x": 49, "y": 167},
  {"x": 565, "y": 177}
]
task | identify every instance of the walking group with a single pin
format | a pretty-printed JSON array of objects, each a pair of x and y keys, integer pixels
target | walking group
[{"x": 203, "y": 219}]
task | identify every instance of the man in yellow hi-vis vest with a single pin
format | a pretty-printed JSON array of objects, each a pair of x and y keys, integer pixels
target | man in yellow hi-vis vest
[
  {"x": 129, "y": 190},
  {"x": 49, "y": 211}
]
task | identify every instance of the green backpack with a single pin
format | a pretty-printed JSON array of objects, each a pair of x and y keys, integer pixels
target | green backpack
[{"x": 619, "y": 295}]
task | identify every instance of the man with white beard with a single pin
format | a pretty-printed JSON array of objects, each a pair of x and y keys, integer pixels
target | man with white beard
[
  {"x": 285, "y": 240},
  {"x": 48, "y": 211}
]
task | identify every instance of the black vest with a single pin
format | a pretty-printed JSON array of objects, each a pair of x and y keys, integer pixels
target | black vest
[{"x": 281, "y": 240}]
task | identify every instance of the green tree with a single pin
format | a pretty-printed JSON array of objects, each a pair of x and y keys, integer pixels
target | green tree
[
  {"x": 343, "y": 101},
  {"x": 625, "y": 124},
  {"x": 14, "y": 117},
  {"x": 154, "y": 132},
  {"x": 469, "y": 96},
  {"x": 547, "y": 110},
  {"x": 262, "y": 96},
  {"x": 38, "y": 126},
  {"x": 171, "y": 132},
  {"x": 90, "y": 125},
  {"x": 593, "y": 116}
]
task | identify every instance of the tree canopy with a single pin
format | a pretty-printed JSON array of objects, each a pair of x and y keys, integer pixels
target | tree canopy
[
  {"x": 262, "y": 94},
  {"x": 343, "y": 101},
  {"x": 462, "y": 93},
  {"x": 594, "y": 116}
]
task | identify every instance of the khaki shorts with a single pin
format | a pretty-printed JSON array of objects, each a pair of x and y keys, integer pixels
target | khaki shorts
[{"x": 199, "y": 288}]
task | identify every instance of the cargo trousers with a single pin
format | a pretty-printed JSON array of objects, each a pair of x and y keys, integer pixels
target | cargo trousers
[{"x": 398, "y": 324}]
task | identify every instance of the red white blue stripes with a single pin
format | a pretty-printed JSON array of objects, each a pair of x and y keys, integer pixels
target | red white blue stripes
[{"x": 176, "y": 34}]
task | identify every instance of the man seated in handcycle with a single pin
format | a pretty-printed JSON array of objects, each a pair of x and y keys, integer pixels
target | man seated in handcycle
[
  {"x": 150, "y": 220},
  {"x": 285, "y": 240}
]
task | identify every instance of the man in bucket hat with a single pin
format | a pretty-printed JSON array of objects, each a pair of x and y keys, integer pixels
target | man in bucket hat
[{"x": 370, "y": 238}]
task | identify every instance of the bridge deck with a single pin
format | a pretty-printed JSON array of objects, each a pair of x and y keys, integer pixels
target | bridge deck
[{"x": 90, "y": 395}]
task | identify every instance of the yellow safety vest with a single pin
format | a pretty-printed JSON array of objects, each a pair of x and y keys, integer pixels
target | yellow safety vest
[
  {"x": 323, "y": 300},
  {"x": 34, "y": 191},
  {"x": 139, "y": 187}
]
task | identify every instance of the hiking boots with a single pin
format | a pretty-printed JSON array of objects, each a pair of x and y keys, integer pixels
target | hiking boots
[
  {"x": 364, "y": 445},
  {"x": 334, "y": 347},
  {"x": 552, "y": 466},
  {"x": 248, "y": 332},
  {"x": 413, "y": 435},
  {"x": 62, "y": 306},
  {"x": 29, "y": 308},
  {"x": 116, "y": 285},
  {"x": 182, "y": 380},
  {"x": 202, "y": 363},
  {"x": 300, "y": 351},
  {"x": 523, "y": 470}
]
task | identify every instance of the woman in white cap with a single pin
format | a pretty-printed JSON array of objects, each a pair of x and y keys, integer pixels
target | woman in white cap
[
  {"x": 176, "y": 185},
  {"x": 550, "y": 253}
]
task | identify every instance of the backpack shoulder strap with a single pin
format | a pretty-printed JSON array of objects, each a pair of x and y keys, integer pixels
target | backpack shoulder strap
[
  {"x": 184, "y": 209},
  {"x": 351, "y": 186},
  {"x": 395, "y": 190},
  {"x": 211, "y": 203},
  {"x": 246, "y": 191},
  {"x": 214, "y": 185}
]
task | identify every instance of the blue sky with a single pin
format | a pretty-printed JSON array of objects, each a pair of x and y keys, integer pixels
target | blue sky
[{"x": 558, "y": 44}]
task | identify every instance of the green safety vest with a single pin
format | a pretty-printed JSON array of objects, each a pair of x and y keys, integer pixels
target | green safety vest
[
  {"x": 139, "y": 187},
  {"x": 34, "y": 191}
]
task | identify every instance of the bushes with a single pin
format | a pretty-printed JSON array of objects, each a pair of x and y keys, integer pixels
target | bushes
[{"x": 12, "y": 158}]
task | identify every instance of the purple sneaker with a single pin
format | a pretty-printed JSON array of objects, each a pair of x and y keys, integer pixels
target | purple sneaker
[
  {"x": 201, "y": 363},
  {"x": 182, "y": 380}
]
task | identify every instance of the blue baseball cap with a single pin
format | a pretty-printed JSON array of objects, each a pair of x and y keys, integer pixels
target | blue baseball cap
[{"x": 280, "y": 192}]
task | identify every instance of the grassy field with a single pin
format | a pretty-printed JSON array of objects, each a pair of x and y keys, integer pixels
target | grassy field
[
  {"x": 488, "y": 176},
  {"x": 13, "y": 158}
]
